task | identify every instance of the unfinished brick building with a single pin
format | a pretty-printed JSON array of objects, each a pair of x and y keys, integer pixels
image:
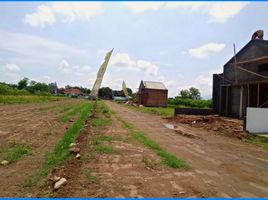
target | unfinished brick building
[
  {"x": 244, "y": 81},
  {"x": 152, "y": 94}
]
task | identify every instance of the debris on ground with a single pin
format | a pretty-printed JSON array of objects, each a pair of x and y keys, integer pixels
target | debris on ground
[
  {"x": 181, "y": 132},
  {"x": 78, "y": 156},
  {"x": 232, "y": 127},
  {"x": 4, "y": 162},
  {"x": 74, "y": 150},
  {"x": 59, "y": 183},
  {"x": 73, "y": 144},
  {"x": 54, "y": 179}
]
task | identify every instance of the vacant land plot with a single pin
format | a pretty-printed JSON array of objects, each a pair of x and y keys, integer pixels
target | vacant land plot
[
  {"x": 220, "y": 166},
  {"x": 27, "y": 133},
  {"x": 123, "y": 153}
]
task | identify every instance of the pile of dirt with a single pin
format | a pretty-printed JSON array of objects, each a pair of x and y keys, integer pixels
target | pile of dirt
[{"x": 216, "y": 123}]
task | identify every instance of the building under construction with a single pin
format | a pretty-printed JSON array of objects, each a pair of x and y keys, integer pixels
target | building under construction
[{"x": 244, "y": 81}]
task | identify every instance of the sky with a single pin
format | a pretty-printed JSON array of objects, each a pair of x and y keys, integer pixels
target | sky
[{"x": 178, "y": 43}]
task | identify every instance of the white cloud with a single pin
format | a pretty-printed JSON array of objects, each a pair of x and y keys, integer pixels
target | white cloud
[
  {"x": 64, "y": 66},
  {"x": 205, "y": 50},
  {"x": 31, "y": 49},
  {"x": 69, "y": 11},
  {"x": 42, "y": 16},
  {"x": 221, "y": 12},
  {"x": 11, "y": 67},
  {"x": 10, "y": 72},
  {"x": 72, "y": 11},
  {"x": 148, "y": 67},
  {"x": 217, "y": 11},
  {"x": 143, "y": 6},
  {"x": 123, "y": 61}
]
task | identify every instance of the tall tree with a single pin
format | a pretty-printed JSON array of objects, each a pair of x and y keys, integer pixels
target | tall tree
[
  {"x": 22, "y": 84},
  {"x": 194, "y": 93}
]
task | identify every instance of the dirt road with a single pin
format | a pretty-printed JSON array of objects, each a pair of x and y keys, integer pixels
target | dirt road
[{"x": 222, "y": 166}]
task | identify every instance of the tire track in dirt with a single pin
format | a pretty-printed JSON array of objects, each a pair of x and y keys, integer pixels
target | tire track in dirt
[{"x": 221, "y": 166}]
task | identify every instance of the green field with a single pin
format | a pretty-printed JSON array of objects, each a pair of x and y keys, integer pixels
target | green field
[{"x": 21, "y": 99}]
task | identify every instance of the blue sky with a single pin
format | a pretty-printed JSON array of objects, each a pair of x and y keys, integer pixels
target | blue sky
[{"x": 178, "y": 43}]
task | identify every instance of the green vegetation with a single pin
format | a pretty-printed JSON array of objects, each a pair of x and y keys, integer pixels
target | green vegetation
[
  {"x": 168, "y": 159},
  {"x": 15, "y": 152},
  {"x": 91, "y": 178},
  {"x": 104, "y": 149},
  {"x": 190, "y": 103},
  {"x": 257, "y": 140},
  {"x": 167, "y": 112},
  {"x": 76, "y": 109},
  {"x": 19, "y": 99},
  {"x": 150, "y": 163},
  {"x": 100, "y": 122},
  {"x": 61, "y": 151}
]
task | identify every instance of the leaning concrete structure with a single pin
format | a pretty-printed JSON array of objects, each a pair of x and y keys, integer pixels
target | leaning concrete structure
[
  {"x": 152, "y": 94},
  {"x": 244, "y": 81}
]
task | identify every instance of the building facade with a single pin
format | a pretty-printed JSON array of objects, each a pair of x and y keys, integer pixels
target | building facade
[
  {"x": 244, "y": 81},
  {"x": 154, "y": 94}
]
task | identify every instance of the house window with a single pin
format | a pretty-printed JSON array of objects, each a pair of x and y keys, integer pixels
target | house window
[{"x": 263, "y": 67}]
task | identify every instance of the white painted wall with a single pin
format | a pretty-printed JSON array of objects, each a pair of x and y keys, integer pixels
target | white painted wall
[{"x": 257, "y": 120}]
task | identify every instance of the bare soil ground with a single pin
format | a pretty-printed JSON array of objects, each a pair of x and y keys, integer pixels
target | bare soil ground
[
  {"x": 122, "y": 173},
  {"x": 221, "y": 166},
  {"x": 37, "y": 126},
  {"x": 215, "y": 123}
]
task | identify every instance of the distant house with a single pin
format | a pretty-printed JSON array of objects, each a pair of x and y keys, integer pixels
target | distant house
[
  {"x": 73, "y": 92},
  {"x": 152, "y": 94},
  {"x": 244, "y": 81}
]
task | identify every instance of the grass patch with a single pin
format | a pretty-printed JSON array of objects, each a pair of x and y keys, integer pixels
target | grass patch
[
  {"x": 90, "y": 177},
  {"x": 101, "y": 148},
  {"x": 22, "y": 99},
  {"x": 15, "y": 152},
  {"x": 162, "y": 111},
  {"x": 101, "y": 122},
  {"x": 74, "y": 111},
  {"x": 168, "y": 159},
  {"x": 61, "y": 151},
  {"x": 150, "y": 163},
  {"x": 257, "y": 140}
]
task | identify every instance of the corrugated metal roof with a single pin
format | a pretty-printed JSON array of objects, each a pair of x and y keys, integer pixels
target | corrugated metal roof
[{"x": 154, "y": 85}]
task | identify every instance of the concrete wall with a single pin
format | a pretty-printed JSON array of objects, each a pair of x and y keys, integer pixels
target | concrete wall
[{"x": 256, "y": 121}]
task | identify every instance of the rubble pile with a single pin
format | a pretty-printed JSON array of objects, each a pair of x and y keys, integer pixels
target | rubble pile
[{"x": 216, "y": 123}]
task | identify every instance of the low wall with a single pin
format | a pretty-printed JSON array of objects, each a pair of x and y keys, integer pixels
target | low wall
[
  {"x": 257, "y": 120},
  {"x": 193, "y": 111}
]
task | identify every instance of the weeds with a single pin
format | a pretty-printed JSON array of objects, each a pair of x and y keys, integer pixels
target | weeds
[
  {"x": 60, "y": 153},
  {"x": 257, "y": 140},
  {"x": 104, "y": 149},
  {"x": 168, "y": 159},
  {"x": 75, "y": 110},
  {"x": 90, "y": 177},
  {"x": 21, "y": 99},
  {"x": 101, "y": 122},
  {"x": 150, "y": 163},
  {"x": 15, "y": 152}
]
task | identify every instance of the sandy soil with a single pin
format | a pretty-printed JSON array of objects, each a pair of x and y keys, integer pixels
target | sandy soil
[
  {"x": 35, "y": 125},
  {"x": 121, "y": 174},
  {"x": 221, "y": 166}
]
